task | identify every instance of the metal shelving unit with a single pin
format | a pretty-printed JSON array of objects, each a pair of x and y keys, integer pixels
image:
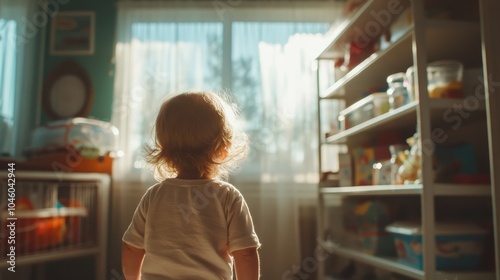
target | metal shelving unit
[{"x": 415, "y": 46}]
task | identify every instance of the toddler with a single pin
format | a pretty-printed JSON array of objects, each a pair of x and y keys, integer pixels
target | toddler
[{"x": 192, "y": 225}]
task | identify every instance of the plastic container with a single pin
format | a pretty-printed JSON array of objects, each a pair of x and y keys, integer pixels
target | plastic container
[
  {"x": 445, "y": 79},
  {"x": 380, "y": 103},
  {"x": 365, "y": 109},
  {"x": 398, "y": 94},
  {"x": 91, "y": 138},
  {"x": 458, "y": 246}
]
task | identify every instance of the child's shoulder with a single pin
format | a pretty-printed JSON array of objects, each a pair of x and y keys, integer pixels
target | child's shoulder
[
  {"x": 228, "y": 190},
  {"x": 224, "y": 185}
]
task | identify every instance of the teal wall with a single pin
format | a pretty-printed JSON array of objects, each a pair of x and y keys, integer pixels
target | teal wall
[{"x": 98, "y": 66}]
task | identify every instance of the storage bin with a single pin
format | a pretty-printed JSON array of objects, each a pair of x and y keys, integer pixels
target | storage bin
[
  {"x": 91, "y": 138},
  {"x": 458, "y": 246},
  {"x": 367, "y": 108},
  {"x": 372, "y": 217},
  {"x": 42, "y": 229}
]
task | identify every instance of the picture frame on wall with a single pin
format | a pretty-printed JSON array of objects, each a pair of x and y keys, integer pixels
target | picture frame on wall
[{"x": 73, "y": 33}]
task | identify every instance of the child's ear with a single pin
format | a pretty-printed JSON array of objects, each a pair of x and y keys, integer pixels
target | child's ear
[{"x": 223, "y": 154}]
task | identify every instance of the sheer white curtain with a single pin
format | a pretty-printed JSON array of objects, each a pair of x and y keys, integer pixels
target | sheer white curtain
[
  {"x": 264, "y": 57},
  {"x": 16, "y": 72},
  {"x": 289, "y": 157}
]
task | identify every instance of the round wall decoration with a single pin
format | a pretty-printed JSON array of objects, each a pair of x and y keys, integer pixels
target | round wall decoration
[{"x": 67, "y": 92}]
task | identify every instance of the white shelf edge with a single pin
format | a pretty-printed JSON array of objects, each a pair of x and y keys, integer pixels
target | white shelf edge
[
  {"x": 461, "y": 190},
  {"x": 58, "y": 176},
  {"x": 332, "y": 91},
  {"x": 374, "y": 190},
  {"x": 437, "y": 103},
  {"x": 389, "y": 264},
  {"x": 53, "y": 255},
  {"x": 345, "y": 31},
  {"x": 464, "y": 275},
  {"x": 438, "y": 190},
  {"x": 48, "y": 213},
  {"x": 377, "y": 121},
  {"x": 343, "y": 28}
]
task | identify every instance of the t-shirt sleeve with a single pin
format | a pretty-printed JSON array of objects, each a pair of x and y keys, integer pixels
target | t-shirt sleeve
[
  {"x": 134, "y": 235},
  {"x": 241, "y": 231}
]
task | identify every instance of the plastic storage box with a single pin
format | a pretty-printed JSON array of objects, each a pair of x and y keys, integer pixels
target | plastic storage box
[
  {"x": 458, "y": 246},
  {"x": 89, "y": 137},
  {"x": 367, "y": 108}
]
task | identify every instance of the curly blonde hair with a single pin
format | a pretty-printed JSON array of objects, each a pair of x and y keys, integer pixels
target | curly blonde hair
[{"x": 196, "y": 131}]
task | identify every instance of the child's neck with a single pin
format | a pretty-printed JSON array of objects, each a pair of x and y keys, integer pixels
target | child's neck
[{"x": 191, "y": 175}]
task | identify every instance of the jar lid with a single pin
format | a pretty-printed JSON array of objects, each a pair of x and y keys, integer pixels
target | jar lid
[
  {"x": 444, "y": 64},
  {"x": 396, "y": 78}
]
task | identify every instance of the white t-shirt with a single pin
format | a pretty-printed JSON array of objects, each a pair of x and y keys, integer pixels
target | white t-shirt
[{"x": 189, "y": 228}]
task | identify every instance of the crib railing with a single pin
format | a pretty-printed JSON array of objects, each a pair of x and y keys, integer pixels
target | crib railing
[{"x": 53, "y": 217}]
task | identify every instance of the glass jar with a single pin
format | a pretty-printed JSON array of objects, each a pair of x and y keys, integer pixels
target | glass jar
[
  {"x": 398, "y": 94},
  {"x": 445, "y": 79},
  {"x": 410, "y": 83}
]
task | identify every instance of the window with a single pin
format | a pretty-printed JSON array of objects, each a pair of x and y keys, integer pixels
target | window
[
  {"x": 7, "y": 82},
  {"x": 174, "y": 50},
  {"x": 16, "y": 74}
]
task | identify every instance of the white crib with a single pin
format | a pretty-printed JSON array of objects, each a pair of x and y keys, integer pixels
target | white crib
[{"x": 57, "y": 216}]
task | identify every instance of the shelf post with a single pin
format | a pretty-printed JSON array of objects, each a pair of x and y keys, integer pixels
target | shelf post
[
  {"x": 491, "y": 69},
  {"x": 320, "y": 208},
  {"x": 425, "y": 139}
]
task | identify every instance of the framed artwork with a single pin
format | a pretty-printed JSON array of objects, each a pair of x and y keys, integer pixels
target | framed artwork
[{"x": 72, "y": 33}]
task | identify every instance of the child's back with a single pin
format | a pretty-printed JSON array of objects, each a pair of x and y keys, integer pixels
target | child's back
[{"x": 188, "y": 227}]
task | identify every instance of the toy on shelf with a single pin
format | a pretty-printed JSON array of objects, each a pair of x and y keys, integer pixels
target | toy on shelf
[{"x": 410, "y": 171}]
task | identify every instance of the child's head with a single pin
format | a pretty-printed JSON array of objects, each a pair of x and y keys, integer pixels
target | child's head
[{"x": 196, "y": 132}]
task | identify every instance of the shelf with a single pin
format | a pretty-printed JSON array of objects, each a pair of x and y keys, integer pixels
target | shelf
[
  {"x": 370, "y": 71},
  {"x": 449, "y": 121},
  {"x": 396, "y": 190},
  {"x": 374, "y": 190},
  {"x": 465, "y": 275},
  {"x": 399, "y": 118},
  {"x": 53, "y": 256},
  {"x": 391, "y": 264},
  {"x": 461, "y": 190},
  {"x": 374, "y": 70},
  {"x": 351, "y": 27},
  {"x": 442, "y": 116},
  {"x": 49, "y": 213}
]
